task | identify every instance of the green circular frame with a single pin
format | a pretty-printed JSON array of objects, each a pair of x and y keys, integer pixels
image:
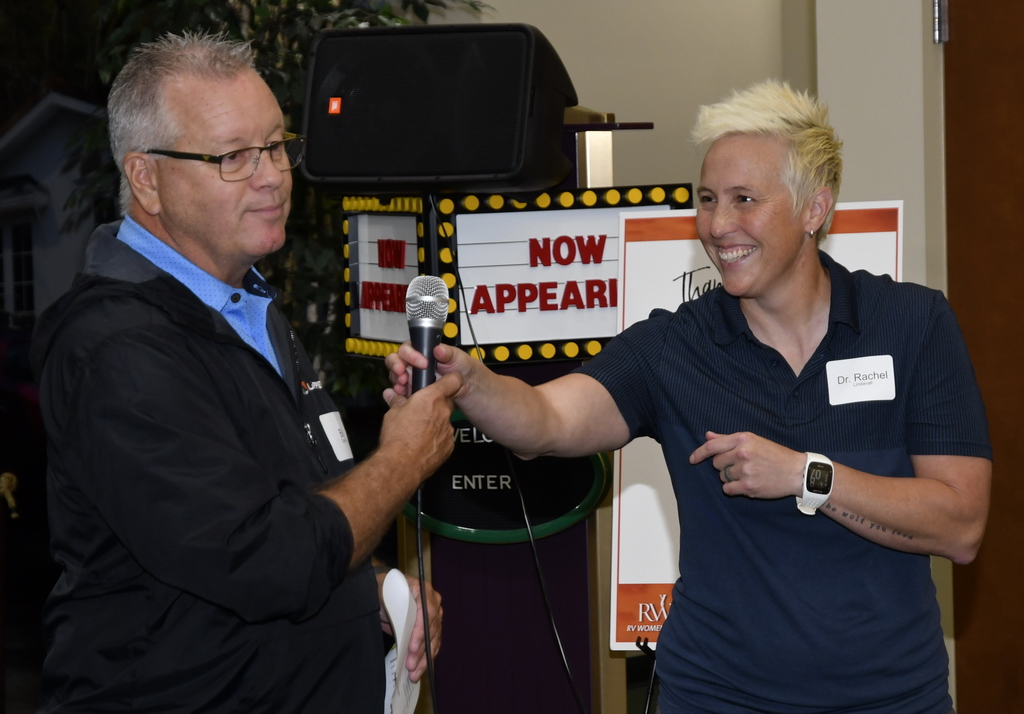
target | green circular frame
[{"x": 602, "y": 483}]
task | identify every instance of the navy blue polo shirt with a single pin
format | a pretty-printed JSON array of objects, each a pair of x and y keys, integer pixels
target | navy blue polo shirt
[{"x": 775, "y": 611}]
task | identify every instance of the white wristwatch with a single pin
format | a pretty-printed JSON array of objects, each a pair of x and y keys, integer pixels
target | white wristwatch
[{"x": 818, "y": 472}]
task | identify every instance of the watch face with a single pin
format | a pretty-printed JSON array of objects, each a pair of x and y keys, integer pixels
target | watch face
[{"x": 819, "y": 478}]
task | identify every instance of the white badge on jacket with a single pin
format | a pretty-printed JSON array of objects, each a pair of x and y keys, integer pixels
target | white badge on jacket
[
  {"x": 335, "y": 431},
  {"x": 862, "y": 379}
]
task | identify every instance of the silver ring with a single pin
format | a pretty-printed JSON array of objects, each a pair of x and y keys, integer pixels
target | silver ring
[{"x": 728, "y": 478}]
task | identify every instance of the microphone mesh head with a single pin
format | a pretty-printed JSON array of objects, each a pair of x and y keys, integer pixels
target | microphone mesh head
[{"x": 426, "y": 298}]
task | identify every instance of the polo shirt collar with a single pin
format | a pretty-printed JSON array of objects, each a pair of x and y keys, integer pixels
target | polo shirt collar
[
  {"x": 844, "y": 294},
  {"x": 256, "y": 285},
  {"x": 253, "y": 283},
  {"x": 730, "y": 321},
  {"x": 209, "y": 289}
]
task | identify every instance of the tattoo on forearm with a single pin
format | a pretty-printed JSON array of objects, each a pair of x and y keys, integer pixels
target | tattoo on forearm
[
  {"x": 871, "y": 526},
  {"x": 879, "y": 527},
  {"x": 853, "y": 517}
]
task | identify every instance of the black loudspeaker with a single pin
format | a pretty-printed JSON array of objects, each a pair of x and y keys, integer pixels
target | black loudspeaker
[{"x": 436, "y": 107}]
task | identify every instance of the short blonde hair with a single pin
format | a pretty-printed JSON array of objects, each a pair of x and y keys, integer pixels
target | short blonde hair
[{"x": 773, "y": 109}]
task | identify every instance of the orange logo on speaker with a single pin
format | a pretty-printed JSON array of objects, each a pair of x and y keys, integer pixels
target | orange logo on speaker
[{"x": 335, "y": 106}]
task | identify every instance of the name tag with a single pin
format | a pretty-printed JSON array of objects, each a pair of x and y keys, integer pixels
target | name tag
[
  {"x": 863, "y": 379},
  {"x": 335, "y": 431}
]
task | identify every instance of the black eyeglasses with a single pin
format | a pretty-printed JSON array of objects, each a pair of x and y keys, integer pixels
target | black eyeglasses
[{"x": 241, "y": 164}]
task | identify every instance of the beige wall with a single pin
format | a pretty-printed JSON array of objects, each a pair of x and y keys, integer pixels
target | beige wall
[
  {"x": 659, "y": 60},
  {"x": 873, "y": 61},
  {"x": 881, "y": 75}
]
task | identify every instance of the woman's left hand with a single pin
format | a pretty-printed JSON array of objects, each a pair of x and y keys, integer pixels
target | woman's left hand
[{"x": 752, "y": 466}]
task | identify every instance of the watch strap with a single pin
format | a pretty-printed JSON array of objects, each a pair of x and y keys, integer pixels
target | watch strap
[{"x": 810, "y": 502}]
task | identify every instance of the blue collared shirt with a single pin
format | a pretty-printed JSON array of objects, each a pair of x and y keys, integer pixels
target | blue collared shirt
[{"x": 244, "y": 309}]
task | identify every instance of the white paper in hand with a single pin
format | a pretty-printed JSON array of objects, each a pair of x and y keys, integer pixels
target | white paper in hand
[{"x": 402, "y": 693}]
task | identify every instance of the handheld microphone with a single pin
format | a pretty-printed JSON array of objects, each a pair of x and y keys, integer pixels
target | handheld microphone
[{"x": 426, "y": 307}]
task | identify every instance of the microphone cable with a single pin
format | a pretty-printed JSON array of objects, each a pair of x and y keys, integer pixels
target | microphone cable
[
  {"x": 414, "y": 385},
  {"x": 543, "y": 585},
  {"x": 423, "y": 597},
  {"x": 420, "y": 562},
  {"x": 526, "y": 519}
]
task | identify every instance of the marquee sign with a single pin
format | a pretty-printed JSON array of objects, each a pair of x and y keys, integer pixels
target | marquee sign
[
  {"x": 533, "y": 275},
  {"x": 382, "y": 254},
  {"x": 383, "y": 261},
  {"x": 538, "y": 279}
]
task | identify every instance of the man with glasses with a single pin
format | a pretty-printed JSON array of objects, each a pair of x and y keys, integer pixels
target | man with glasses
[{"x": 213, "y": 531}]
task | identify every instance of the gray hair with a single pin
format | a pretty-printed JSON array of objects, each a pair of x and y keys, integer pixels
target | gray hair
[{"x": 136, "y": 110}]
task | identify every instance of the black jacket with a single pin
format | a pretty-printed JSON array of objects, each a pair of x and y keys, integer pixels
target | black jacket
[{"x": 201, "y": 572}]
